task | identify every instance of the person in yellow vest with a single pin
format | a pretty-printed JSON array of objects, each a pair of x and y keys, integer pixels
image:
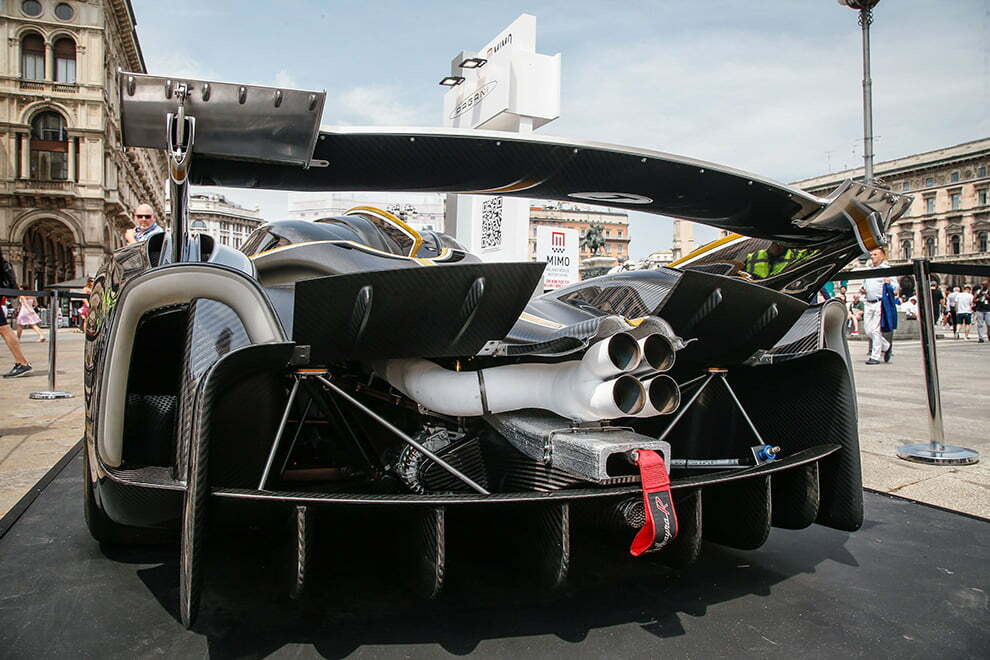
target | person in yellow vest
[{"x": 772, "y": 260}]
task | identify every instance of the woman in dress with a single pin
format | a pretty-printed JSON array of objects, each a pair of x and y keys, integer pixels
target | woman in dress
[
  {"x": 27, "y": 317},
  {"x": 84, "y": 310}
]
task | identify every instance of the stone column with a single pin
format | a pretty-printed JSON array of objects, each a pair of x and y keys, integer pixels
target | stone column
[
  {"x": 72, "y": 158},
  {"x": 49, "y": 62},
  {"x": 83, "y": 165},
  {"x": 25, "y": 139}
]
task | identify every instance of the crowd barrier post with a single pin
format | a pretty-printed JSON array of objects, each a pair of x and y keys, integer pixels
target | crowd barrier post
[
  {"x": 935, "y": 451},
  {"x": 53, "y": 310}
]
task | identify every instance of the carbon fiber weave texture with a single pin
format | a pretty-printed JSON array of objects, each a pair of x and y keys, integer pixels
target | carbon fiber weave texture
[
  {"x": 807, "y": 401},
  {"x": 213, "y": 330},
  {"x": 795, "y": 497},
  {"x": 216, "y": 382},
  {"x": 803, "y": 337},
  {"x": 737, "y": 514}
]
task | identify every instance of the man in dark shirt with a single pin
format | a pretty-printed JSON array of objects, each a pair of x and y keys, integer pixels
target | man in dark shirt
[
  {"x": 936, "y": 302},
  {"x": 981, "y": 310}
]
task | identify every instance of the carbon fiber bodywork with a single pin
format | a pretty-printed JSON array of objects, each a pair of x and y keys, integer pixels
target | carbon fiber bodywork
[
  {"x": 228, "y": 393},
  {"x": 418, "y": 159},
  {"x": 480, "y": 302},
  {"x": 269, "y": 386}
]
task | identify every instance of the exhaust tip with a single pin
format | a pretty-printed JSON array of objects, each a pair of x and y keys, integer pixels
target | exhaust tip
[
  {"x": 658, "y": 352},
  {"x": 628, "y": 394},
  {"x": 664, "y": 394},
  {"x": 624, "y": 352}
]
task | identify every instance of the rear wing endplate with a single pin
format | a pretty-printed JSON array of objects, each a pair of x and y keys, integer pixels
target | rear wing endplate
[{"x": 233, "y": 121}]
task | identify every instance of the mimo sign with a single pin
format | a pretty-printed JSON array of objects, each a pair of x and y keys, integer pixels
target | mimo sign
[{"x": 558, "y": 247}]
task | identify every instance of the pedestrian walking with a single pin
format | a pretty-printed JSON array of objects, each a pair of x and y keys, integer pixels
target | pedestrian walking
[
  {"x": 874, "y": 290},
  {"x": 964, "y": 311},
  {"x": 84, "y": 310},
  {"x": 937, "y": 299},
  {"x": 981, "y": 312},
  {"x": 27, "y": 317},
  {"x": 8, "y": 280},
  {"x": 951, "y": 302}
]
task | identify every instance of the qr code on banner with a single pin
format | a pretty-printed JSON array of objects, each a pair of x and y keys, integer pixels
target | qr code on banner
[{"x": 491, "y": 224}]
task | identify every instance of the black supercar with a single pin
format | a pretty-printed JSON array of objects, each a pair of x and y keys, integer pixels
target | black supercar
[{"x": 357, "y": 362}]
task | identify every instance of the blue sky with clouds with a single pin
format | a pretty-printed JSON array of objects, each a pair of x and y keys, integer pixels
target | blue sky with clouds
[{"x": 771, "y": 86}]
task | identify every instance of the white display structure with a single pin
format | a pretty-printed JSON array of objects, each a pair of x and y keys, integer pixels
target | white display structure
[
  {"x": 558, "y": 247},
  {"x": 517, "y": 90}
]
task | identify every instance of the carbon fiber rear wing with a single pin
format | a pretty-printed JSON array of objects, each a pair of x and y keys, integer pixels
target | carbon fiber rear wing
[{"x": 240, "y": 122}]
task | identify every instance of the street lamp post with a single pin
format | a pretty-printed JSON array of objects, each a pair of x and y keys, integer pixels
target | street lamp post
[{"x": 865, "y": 9}]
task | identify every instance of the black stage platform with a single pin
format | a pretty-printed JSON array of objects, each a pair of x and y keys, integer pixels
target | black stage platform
[{"x": 912, "y": 583}]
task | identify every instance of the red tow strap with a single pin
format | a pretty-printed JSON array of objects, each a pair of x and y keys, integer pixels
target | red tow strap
[{"x": 661, "y": 521}]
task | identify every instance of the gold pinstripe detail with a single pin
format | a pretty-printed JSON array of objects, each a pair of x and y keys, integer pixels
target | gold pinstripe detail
[
  {"x": 413, "y": 234},
  {"x": 862, "y": 221},
  {"x": 445, "y": 253},
  {"x": 707, "y": 248},
  {"x": 536, "y": 320},
  {"x": 521, "y": 184}
]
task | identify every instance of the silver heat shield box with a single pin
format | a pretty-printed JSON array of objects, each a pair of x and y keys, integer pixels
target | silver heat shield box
[
  {"x": 233, "y": 121},
  {"x": 596, "y": 453}
]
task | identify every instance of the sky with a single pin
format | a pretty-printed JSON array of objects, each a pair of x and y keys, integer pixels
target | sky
[{"x": 772, "y": 87}]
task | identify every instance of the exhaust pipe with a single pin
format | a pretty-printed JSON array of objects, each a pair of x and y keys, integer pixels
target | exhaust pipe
[
  {"x": 658, "y": 353},
  {"x": 663, "y": 397},
  {"x": 596, "y": 387},
  {"x": 619, "y": 354}
]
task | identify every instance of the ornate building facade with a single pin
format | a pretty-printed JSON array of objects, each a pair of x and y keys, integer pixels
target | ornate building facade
[
  {"x": 580, "y": 216},
  {"x": 949, "y": 219},
  {"x": 227, "y": 222},
  {"x": 67, "y": 187}
]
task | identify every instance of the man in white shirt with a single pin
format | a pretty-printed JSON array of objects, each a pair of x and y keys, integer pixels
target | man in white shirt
[
  {"x": 910, "y": 308},
  {"x": 964, "y": 310},
  {"x": 871, "y": 315}
]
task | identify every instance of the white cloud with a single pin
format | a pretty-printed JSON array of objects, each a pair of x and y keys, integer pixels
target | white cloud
[
  {"x": 284, "y": 79},
  {"x": 379, "y": 105},
  {"x": 776, "y": 104},
  {"x": 180, "y": 65}
]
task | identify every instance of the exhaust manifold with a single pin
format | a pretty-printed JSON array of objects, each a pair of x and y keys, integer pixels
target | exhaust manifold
[{"x": 598, "y": 386}]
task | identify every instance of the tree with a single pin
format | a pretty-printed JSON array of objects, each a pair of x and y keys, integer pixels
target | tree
[{"x": 594, "y": 238}]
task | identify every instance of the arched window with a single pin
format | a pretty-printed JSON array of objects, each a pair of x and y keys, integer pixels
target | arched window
[
  {"x": 906, "y": 248},
  {"x": 65, "y": 60},
  {"x": 33, "y": 57},
  {"x": 49, "y": 147},
  {"x": 930, "y": 246},
  {"x": 956, "y": 242}
]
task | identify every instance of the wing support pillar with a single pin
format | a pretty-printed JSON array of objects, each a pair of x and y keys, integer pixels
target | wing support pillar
[
  {"x": 180, "y": 135},
  {"x": 762, "y": 453}
]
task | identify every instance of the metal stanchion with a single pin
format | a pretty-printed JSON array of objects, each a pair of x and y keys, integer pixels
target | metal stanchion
[
  {"x": 935, "y": 452},
  {"x": 52, "y": 393}
]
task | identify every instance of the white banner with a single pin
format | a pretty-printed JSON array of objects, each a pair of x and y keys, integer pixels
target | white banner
[
  {"x": 558, "y": 247},
  {"x": 517, "y": 84}
]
